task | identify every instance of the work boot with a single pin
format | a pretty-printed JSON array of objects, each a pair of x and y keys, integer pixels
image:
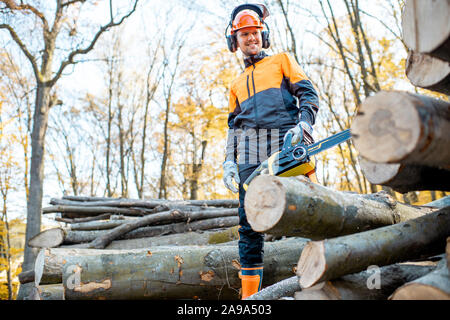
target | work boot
[{"x": 251, "y": 279}]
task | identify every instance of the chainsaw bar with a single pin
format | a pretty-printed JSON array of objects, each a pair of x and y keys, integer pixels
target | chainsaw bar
[{"x": 290, "y": 156}]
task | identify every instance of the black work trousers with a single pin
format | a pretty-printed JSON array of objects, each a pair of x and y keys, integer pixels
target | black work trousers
[{"x": 251, "y": 243}]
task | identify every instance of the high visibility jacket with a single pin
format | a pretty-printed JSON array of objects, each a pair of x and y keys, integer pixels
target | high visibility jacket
[{"x": 265, "y": 95}]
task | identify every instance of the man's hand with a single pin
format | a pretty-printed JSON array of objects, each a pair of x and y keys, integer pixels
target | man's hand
[
  {"x": 230, "y": 171},
  {"x": 302, "y": 132}
]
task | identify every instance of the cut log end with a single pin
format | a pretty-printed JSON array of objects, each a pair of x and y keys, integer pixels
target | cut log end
[
  {"x": 428, "y": 72},
  {"x": 266, "y": 199},
  {"x": 48, "y": 238},
  {"x": 420, "y": 20},
  {"x": 379, "y": 173},
  {"x": 419, "y": 291},
  {"x": 383, "y": 132},
  {"x": 312, "y": 264}
]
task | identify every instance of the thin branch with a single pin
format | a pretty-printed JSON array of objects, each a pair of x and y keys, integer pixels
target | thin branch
[
  {"x": 10, "y": 4},
  {"x": 73, "y": 54},
  {"x": 25, "y": 50}
]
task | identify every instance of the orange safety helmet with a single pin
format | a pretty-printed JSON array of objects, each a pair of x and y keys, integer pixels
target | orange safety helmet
[{"x": 245, "y": 19}]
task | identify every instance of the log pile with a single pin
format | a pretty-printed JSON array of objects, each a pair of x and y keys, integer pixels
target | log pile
[
  {"x": 361, "y": 246},
  {"x": 371, "y": 246},
  {"x": 96, "y": 228},
  {"x": 403, "y": 138}
]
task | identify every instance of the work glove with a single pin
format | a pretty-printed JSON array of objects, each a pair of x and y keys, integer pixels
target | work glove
[
  {"x": 230, "y": 171},
  {"x": 302, "y": 132}
]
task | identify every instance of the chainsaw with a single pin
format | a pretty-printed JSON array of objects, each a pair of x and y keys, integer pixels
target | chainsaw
[{"x": 295, "y": 160}]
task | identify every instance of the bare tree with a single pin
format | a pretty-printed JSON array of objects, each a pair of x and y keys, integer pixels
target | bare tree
[{"x": 47, "y": 71}]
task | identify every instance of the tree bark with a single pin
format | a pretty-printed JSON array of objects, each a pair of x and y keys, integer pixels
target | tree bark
[
  {"x": 169, "y": 272},
  {"x": 405, "y": 177},
  {"x": 363, "y": 286},
  {"x": 332, "y": 258},
  {"x": 400, "y": 127},
  {"x": 432, "y": 286},
  {"x": 296, "y": 206},
  {"x": 425, "y": 27},
  {"x": 428, "y": 72}
]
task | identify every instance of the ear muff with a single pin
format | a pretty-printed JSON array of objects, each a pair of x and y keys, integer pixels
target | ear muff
[
  {"x": 231, "y": 41},
  {"x": 265, "y": 37}
]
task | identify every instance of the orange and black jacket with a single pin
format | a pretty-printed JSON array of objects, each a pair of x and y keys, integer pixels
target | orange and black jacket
[{"x": 265, "y": 95}]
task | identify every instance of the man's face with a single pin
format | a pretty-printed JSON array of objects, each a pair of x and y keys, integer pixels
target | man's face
[{"x": 249, "y": 40}]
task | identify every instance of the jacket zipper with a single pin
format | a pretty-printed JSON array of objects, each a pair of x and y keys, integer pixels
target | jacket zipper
[{"x": 254, "y": 96}]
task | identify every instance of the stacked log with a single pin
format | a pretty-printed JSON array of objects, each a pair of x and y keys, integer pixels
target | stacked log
[
  {"x": 403, "y": 138},
  {"x": 351, "y": 235},
  {"x": 124, "y": 225}
]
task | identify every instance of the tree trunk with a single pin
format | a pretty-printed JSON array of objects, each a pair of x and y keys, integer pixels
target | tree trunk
[
  {"x": 405, "y": 177},
  {"x": 34, "y": 204},
  {"x": 432, "y": 286},
  {"x": 170, "y": 272},
  {"x": 371, "y": 284},
  {"x": 296, "y": 206},
  {"x": 400, "y": 127},
  {"x": 332, "y": 258},
  {"x": 425, "y": 27},
  {"x": 428, "y": 72}
]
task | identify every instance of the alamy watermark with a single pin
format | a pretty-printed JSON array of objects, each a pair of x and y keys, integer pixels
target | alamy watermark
[{"x": 374, "y": 280}]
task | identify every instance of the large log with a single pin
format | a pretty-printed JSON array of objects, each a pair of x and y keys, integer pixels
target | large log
[
  {"x": 432, "y": 286},
  {"x": 295, "y": 206},
  {"x": 400, "y": 127},
  {"x": 426, "y": 27},
  {"x": 211, "y": 237},
  {"x": 166, "y": 272},
  {"x": 428, "y": 72},
  {"x": 332, "y": 258},
  {"x": 405, "y": 177},
  {"x": 363, "y": 285}
]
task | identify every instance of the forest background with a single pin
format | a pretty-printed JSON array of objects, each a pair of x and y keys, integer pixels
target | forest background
[{"x": 141, "y": 110}]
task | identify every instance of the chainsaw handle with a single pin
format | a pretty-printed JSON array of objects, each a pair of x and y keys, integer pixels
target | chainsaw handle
[
  {"x": 255, "y": 173},
  {"x": 287, "y": 140}
]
